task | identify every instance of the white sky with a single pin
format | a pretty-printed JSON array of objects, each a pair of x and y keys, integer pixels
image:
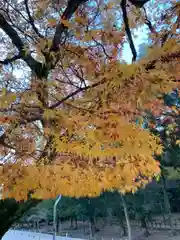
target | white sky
[{"x": 141, "y": 37}]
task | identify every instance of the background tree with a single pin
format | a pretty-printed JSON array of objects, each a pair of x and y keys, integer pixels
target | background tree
[
  {"x": 11, "y": 211},
  {"x": 163, "y": 121}
]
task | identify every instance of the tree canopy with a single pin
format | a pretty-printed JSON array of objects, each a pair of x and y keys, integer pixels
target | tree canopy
[{"x": 69, "y": 102}]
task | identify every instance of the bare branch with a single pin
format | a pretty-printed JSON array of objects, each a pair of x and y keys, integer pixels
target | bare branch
[
  {"x": 35, "y": 66},
  {"x": 148, "y": 22},
  {"x": 31, "y": 20},
  {"x": 15, "y": 9},
  {"x": 103, "y": 48}
]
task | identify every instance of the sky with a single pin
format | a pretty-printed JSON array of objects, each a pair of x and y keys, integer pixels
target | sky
[{"x": 141, "y": 38}]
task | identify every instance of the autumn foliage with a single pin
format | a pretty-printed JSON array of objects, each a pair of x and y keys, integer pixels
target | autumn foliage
[{"x": 71, "y": 127}]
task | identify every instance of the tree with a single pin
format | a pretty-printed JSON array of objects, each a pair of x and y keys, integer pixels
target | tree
[
  {"x": 11, "y": 211},
  {"x": 70, "y": 208},
  {"x": 92, "y": 208},
  {"x": 77, "y": 98},
  {"x": 165, "y": 124}
]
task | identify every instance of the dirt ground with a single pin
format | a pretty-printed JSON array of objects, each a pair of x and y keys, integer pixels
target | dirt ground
[
  {"x": 162, "y": 236},
  {"x": 108, "y": 232}
]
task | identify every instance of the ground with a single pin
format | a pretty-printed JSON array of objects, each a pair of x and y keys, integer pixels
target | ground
[
  {"x": 28, "y": 235},
  {"x": 106, "y": 232}
]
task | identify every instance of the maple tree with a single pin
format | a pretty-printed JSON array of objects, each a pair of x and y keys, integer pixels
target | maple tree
[{"x": 72, "y": 120}]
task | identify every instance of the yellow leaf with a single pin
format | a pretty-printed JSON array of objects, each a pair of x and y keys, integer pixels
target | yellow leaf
[
  {"x": 110, "y": 5},
  {"x": 52, "y": 22},
  {"x": 79, "y": 19},
  {"x": 87, "y": 37},
  {"x": 66, "y": 23},
  {"x": 38, "y": 14}
]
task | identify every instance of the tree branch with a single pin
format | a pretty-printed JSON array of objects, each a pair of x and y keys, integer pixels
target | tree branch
[
  {"x": 128, "y": 32},
  {"x": 35, "y": 66},
  {"x": 139, "y": 3},
  {"x": 166, "y": 58},
  {"x": 148, "y": 66},
  {"x": 57, "y": 104},
  {"x": 10, "y": 60},
  {"x": 21, "y": 122},
  {"x": 60, "y": 28},
  {"x": 148, "y": 22},
  {"x": 31, "y": 20}
]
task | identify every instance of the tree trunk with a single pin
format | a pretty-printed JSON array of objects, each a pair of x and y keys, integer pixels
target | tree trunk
[
  {"x": 11, "y": 211},
  {"x": 4, "y": 229},
  {"x": 76, "y": 226},
  {"x": 71, "y": 224},
  {"x": 58, "y": 224},
  {"x": 84, "y": 228},
  {"x": 123, "y": 227},
  {"x": 92, "y": 227},
  {"x": 126, "y": 217},
  {"x": 144, "y": 226},
  {"x": 109, "y": 217},
  {"x": 166, "y": 199},
  {"x": 162, "y": 212}
]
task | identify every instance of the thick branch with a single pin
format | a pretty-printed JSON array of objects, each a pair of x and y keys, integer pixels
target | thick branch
[
  {"x": 128, "y": 32},
  {"x": 60, "y": 28},
  {"x": 139, "y": 3},
  {"x": 35, "y": 66}
]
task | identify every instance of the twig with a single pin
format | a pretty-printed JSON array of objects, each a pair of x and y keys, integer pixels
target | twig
[
  {"x": 76, "y": 92},
  {"x": 148, "y": 22},
  {"x": 31, "y": 20}
]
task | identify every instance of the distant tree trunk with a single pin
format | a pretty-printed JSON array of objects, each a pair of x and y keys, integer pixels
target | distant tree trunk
[
  {"x": 126, "y": 217},
  {"x": 71, "y": 224},
  {"x": 162, "y": 212},
  {"x": 123, "y": 227},
  {"x": 92, "y": 226},
  {"x": 11, "y": 211},
  {"x": 76, "y": 226},
  {"x": 109, "y": 213},
  {"x": 84, "y": 228},
  {"x": 47, "y": 223},
  {"x": 144, "y": 226},
  {"x": 58, "y": 224},
  {"x": 166, "y": 199}
]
